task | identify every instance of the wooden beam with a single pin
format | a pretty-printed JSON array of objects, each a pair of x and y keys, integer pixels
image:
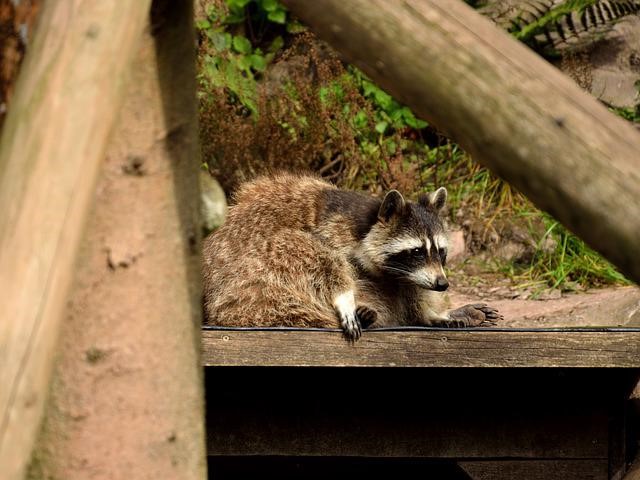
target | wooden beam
[
  {"x": 66, "y": 100},
  {"x": 508, "y": 107},
  {"x": 536, "y": 469},
  {"x": 421, "y": 349},
  {"x": 315, "y": 468}
]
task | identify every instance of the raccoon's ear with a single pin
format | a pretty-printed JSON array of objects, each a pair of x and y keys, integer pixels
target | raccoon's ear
[
  {"x": 438, "y": 199},
  {"x": 392, "y": 204}
]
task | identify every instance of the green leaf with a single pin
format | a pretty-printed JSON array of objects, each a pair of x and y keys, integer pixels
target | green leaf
[
  {"x": 323, "y": 93},
  {"x": 241, "y": 45},
  {"x": 293, "y": 26},
  {"x": 381, "y": 127},
  {"x": 276, "y": 45},
  {"x": 203, "y": 24},
  {"x": 269, "y": 5},
  {"x": 383, "y": 99},
  {"x": 278, "y": 16},
  {"x": 397, "y": 114},
  {"x": 258, "y": 62},
  {"x": 221, "y": 41},
  {"x": 368, "y": 88},
  {"x": 233, "y": 19},
  {"x": 237, "y": 3},
  {"x": 244, "y": 63},
  {"x": 360, "y": 119},
  {"x": 411, "y": 120},
  {"x": 391, "y": 146}
]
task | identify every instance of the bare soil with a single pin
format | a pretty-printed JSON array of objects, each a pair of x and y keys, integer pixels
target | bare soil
[{"x": 613, "y": 306}]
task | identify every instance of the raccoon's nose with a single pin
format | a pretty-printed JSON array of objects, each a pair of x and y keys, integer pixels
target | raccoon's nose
[{"x": 441, "y": 284}]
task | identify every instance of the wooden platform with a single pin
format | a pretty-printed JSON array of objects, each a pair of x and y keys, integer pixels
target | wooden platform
[
  {"x": 424, "y": 348},
  {"x": 530, "y": 415}
]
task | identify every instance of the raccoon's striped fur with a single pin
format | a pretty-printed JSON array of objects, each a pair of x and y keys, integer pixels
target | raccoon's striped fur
[{"x": 297, "y": 251}]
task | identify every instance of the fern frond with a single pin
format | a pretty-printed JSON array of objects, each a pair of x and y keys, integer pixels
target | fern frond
[{"x": 550, "y": 26}]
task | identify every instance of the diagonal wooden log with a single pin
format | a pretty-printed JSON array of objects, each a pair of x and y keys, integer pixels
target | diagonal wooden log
[
  {"x": 508, "y": 107},
  {"x": 66, "y": 100}
]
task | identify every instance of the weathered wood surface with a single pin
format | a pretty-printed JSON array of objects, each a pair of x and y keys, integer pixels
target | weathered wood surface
[
  {"x": 66, "y": 100},
  {"x": 422, "y": 349},
  {"x": 536, "y": 469},
  {"x": 508, "y": 107}
]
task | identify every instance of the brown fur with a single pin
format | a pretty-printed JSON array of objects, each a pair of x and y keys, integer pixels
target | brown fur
[{"x": 265, "y": 267}]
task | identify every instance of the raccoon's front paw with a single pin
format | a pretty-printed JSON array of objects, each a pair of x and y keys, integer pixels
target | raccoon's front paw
[
  {"x": 350, "y": 325},
  {"x": 474, "y": 315},
  {"x": 366, "y": 316},
  {"x": 345, "y": 305}
]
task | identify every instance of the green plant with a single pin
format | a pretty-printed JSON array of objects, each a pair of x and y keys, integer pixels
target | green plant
[
  {"x": 389, "y": 113},
  {"x": 631, "y": 114},
  {"x": 230, "y": 60},
  {"x": 272, "y": 9},
  {"x": 571, "y": 262}
]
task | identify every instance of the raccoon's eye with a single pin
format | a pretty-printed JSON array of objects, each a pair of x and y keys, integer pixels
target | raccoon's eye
[
  {"x": 442, "y": 253},
  {"x": 418, "y": 252}
]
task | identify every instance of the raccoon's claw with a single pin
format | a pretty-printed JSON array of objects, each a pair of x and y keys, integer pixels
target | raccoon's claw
[
  {"x": 351, "y": 326},
  {"x": 491, "y": 314},
  {"x": 366, "y": 316},
  {"x": 474, "y": 315}
]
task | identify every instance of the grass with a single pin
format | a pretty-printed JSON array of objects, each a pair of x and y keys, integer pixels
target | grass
[
  {"x": 560, "y": 259},
  {"x": 572, "y": 263}
]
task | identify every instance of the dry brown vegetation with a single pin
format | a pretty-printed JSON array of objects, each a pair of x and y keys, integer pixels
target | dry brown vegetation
[{"x": 297, "y": 129}]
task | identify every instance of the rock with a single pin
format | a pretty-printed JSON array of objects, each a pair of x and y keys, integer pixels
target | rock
[
  {"x": 610, "y": 68},
  {"x": 457, "y": 247},
  {"x": 214, "y": 202},
  {"x": 551, "y": 294},
  {"x": 510, "y": 251}
]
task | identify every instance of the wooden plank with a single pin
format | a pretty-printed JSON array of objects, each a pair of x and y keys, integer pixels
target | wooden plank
[
  {"x": 66, "y": 100},
  {"x": 393, "y": 434},
  {"x": 504, "y": 104},
  {"x": 400, "y": 413},
  {"x": 449, "y": 348},
  {"x": 536, "y": 469}
]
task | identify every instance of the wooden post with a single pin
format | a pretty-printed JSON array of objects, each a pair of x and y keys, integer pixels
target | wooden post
[
  {"x": 66, "y": 99},
  {"x": 127, "y": 396},
  {"x": 508, "y": 107}
]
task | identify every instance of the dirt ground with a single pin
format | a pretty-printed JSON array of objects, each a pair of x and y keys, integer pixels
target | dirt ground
[{"x": 616, "y": 306}]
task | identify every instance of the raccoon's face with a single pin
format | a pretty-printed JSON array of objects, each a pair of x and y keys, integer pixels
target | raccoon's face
[{"x": 408, "y": 241}]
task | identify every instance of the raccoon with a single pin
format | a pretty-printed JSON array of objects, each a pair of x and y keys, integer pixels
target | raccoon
[{"x": 297, "y": 251}]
